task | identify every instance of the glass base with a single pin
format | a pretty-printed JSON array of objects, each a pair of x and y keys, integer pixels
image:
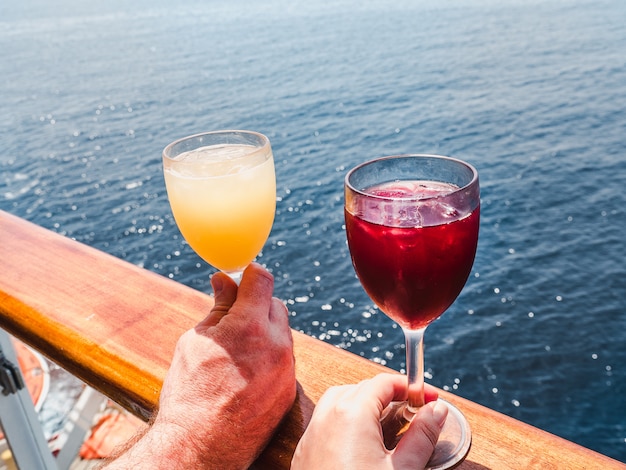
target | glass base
[{"x": 454, "y": 440}]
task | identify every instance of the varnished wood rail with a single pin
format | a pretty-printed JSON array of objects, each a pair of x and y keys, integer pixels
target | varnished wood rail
[{"x": 114, "y": 325}]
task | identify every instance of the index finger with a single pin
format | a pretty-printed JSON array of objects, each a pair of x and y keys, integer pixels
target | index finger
[
  {"x": 387, "y": 388},
  {"x": 254, "y": 296},
  {"x": 382, "y": 389},
  {"x": 396, "y": 388}
]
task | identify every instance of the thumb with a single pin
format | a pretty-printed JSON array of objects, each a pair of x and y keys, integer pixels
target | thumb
[
  {"x": 225, "y": 290},
  {"x": 418, "y": 443}
]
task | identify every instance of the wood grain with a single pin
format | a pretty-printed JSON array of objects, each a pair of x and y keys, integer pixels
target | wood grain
[{"x": 114, "y": 325}]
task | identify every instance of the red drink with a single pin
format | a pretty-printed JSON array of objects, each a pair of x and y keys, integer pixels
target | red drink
[{"x": 413, "y": 258}]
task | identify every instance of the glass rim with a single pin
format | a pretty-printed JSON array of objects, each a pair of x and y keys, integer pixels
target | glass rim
[
  {"x": 265, "y": 142},
  {"x": 364, "y": 193}
]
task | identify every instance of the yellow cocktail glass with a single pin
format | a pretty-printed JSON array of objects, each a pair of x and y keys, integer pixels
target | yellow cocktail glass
[{"x": 222, "y": 190}]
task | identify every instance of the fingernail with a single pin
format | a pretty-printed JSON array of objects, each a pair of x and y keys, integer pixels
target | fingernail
[{"x": 440, "y": 412}]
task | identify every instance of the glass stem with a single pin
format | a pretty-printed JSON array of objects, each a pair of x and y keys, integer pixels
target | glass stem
[
  {"x": 235, "y": 276},
  {"x": 415, "y": 367}
]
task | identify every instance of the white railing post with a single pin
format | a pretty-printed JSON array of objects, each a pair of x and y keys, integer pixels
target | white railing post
[{"x": 20, "y": 423}]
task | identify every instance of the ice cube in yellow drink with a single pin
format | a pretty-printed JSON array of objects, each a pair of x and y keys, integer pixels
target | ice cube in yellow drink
[{"x": 224, "y": 206}]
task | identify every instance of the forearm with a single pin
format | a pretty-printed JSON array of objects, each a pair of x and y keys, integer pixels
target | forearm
[
  {"x": 156, "y": 450},
  {"x": 170, "y": 447}
]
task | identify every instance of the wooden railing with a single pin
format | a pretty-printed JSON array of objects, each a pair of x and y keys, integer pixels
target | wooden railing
[{"x": 115, "y": 325}]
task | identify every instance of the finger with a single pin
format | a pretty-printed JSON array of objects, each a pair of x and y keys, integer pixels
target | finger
[
  {"x": 279, "y": 312},
  {"x": 418, "y": 443},
  {"x": 399, "y": 386},
  {"x": 254, "y": 296},
  {"x": 386, "y": 388},
  {"x": 376, "y": 393},
  {"x": 225, "y": 290},
  {"x": 279, "y": 324},
  {"x": 430, "y": 393}
]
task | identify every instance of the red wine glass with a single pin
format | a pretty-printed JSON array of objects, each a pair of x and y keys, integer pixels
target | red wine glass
[{"x": 412, "y": 227}]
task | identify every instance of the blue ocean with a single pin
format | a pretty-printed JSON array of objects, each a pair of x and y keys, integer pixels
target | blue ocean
[{"x": 532, "y": 93}]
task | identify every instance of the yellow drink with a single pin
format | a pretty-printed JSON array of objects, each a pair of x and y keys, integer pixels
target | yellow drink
[{"x": 223, "y": 198}]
